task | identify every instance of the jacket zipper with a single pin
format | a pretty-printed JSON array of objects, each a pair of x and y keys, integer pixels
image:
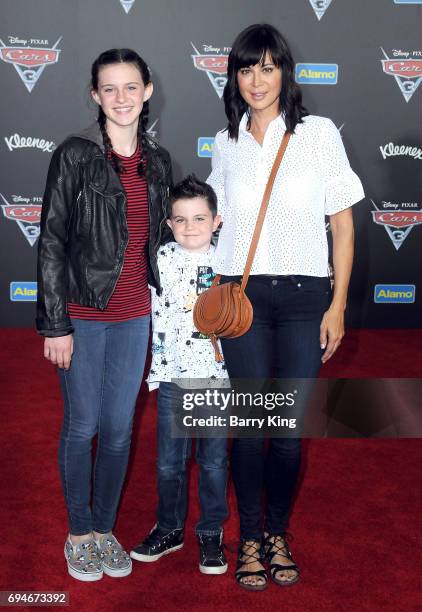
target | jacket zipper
[
  {"x": 104, "y": 302},
  {"x": 157, "y": 243}
]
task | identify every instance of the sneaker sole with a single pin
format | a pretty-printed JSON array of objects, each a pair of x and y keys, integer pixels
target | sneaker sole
[
  {"x": 84, "y": 577},
  {"x": 222, "y": 569},
  {"x": 117, "y": 573},
  {"x": 152, "y": 558}
]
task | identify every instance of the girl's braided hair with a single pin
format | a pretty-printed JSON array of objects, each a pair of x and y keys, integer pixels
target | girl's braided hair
[{"x": 118, "y": 56}]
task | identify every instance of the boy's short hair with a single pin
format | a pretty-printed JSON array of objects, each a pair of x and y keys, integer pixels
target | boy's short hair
[{"x": 192, "y": 187}]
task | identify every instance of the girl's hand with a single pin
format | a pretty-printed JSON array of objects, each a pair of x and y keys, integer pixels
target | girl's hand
[
  {"x": 59, "y": 350},
  {"x": 331, "y": 332}
]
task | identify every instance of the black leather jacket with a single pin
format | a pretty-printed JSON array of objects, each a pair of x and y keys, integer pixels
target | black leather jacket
[{"x": 84, "y": 230}]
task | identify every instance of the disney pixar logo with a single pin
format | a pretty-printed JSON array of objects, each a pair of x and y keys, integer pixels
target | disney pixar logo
[
  {"x": 406, "y": 68},
  {"x": 29, "y": 57},
  {"x": 398, "y": 219},
  {"x": 213, "y": 61},
  {"x": 27, "y": 214}
]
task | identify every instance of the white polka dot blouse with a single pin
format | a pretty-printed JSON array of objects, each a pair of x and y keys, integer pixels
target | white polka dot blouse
[{"x": 315, "y": 179}]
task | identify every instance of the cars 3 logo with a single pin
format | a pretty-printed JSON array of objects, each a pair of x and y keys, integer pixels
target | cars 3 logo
[
  {"x": 27, "y": 215},
  {"x": 213, "y": 61},
  {"x": 406, "y": 68},
  {"x": 29, "y": 60},
  {"x": 320, "y": 6},
  {"x": 397, "y": 219}
]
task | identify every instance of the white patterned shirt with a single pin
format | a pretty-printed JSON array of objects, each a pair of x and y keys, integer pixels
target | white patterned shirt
[
  {"x": 314, "y": 180},
  {"x": 179, "y": 351}
]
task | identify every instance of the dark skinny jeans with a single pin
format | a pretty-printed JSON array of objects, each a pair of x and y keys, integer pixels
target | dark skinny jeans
[{"x": 283, "y": 342}]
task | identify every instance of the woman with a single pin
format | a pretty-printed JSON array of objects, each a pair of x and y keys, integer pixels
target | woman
[
  {"x": 105, "y": 200},
  {"x": 297, "y": 322}
]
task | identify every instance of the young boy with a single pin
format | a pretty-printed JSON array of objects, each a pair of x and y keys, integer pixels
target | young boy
[{"x": 179, "y": 351}]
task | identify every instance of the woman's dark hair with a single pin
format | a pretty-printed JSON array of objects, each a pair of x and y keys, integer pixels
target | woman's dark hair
[
  {"x": 250, "y": 48},
  {"x": 191, "y": 187},
  {"x": 122, "y": 56}
]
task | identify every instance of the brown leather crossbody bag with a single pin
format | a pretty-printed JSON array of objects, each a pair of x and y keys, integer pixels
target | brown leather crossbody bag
[{"x": 225, "y": 310}]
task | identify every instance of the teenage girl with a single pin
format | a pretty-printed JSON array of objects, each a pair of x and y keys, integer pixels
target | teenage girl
[{"x": 103, "y": 208}]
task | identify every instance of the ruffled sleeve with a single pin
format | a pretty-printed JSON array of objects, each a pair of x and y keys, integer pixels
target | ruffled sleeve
[
  {"x": 216, "y": 178},
  {"x": 342, "y": 186}
]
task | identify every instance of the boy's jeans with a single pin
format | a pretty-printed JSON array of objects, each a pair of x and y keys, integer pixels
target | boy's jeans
[{"x": 211, "y": 456}]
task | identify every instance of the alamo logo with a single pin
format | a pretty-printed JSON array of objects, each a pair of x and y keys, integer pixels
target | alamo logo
[
  {"x": 213, "y": 61},
  {"x": 316, "y": 74},
  {"x": 394, "y": 294},
  {"x": 28, "y": 58},
  {"x": 127, "y": 5},
  {"x": 23, "y": 291},
  {"x": 320, "y": 6},
  {"x": 406, "y": 68},
  {"x": 205, "y": 146},
  {"x": 397, "y": 219},
  {"x": 27, "y": 214}
]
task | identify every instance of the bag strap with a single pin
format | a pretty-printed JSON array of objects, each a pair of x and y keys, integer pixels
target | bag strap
[{"x": 263, "y": 209}]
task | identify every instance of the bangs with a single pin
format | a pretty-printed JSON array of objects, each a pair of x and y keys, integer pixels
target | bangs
[
  {"x": 249, "y": 49},
  {"x": 253, "y": 49}
]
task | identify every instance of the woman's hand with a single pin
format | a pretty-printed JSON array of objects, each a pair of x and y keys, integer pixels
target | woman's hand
[
  {"x": 332, "y": 324},
  {"x": 331, "y": 332},
  {"x": 59, "y": 350}
]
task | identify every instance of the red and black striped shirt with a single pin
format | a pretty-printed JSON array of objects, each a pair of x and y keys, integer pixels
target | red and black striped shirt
[{"x": 131, "y": 297}]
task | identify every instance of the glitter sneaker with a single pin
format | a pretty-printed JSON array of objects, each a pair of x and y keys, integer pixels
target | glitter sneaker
[
  {"x": 83, "y": 560},
  {"x": 116, "y": 562}
]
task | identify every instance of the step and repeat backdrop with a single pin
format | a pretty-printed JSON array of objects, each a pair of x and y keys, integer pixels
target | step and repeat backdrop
[{"x": 359, "y": 62}]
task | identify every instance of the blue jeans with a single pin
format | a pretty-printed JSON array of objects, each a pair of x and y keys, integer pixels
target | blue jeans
[
  {"x": 99, "y": 391},
  {"x": 283, "y": 342},
  {"x": 211, "y": 456}
]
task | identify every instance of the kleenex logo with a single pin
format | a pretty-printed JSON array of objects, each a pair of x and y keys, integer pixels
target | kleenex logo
[
  {"x": 15, "y": 141},
  {"x": 394, "y": 294},
  {"x": 316, "y": 74}
]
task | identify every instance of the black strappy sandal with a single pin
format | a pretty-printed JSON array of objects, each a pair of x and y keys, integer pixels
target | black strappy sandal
[
  {"x": 280, "y": 547},
  {"x": 244, "y": 558}
]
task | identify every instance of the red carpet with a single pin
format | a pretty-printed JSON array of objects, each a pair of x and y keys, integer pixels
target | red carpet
[{"x": 356, "y": 520}]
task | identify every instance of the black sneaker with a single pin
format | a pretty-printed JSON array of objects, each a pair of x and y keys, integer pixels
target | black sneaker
[
  {"x": 212, "y": 557},
  {"x": 157, "y": 544}
]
